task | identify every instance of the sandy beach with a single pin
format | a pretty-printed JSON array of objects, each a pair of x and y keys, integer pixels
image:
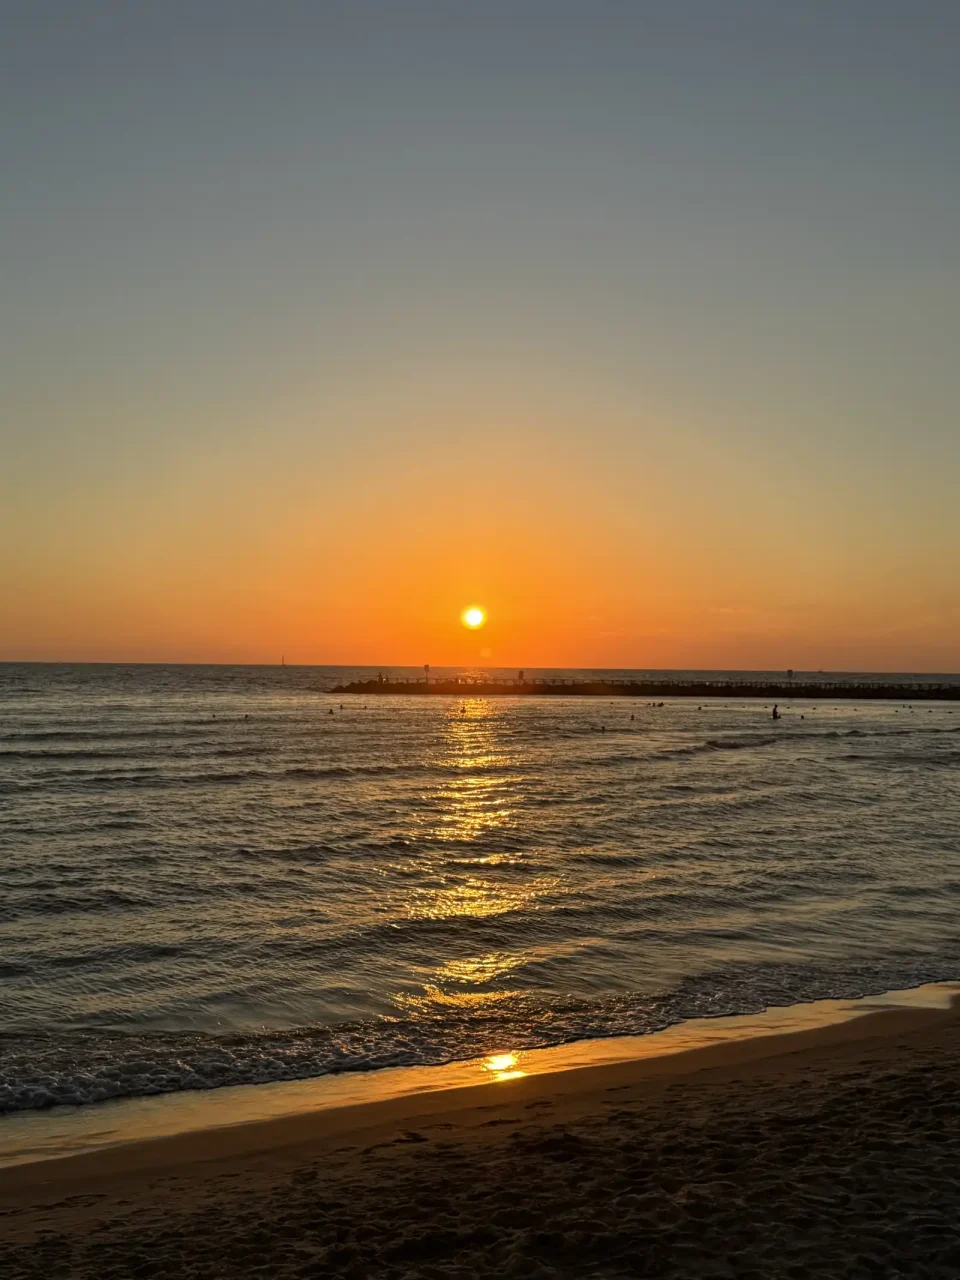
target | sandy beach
[{"x": 829, "y": 1152}]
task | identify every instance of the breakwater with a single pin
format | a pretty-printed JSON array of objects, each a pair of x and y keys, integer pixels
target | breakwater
[{"x": 771, "y": 690}]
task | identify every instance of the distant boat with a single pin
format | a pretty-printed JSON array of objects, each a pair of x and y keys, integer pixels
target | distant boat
[{"x": 283, "y": 661}]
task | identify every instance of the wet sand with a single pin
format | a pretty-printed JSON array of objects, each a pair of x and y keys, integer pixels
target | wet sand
[{"x": 829, "y": 1152}]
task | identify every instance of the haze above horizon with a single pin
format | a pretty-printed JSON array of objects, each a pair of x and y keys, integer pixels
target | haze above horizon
[{"x": 630, "y": 325}]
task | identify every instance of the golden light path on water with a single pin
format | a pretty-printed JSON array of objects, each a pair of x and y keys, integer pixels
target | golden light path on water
[
  {"x": 481, "y": 796},
  {"x": 477, "y": 801}
]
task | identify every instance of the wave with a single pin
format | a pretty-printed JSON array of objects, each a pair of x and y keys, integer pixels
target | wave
[
  {"x": 784, "y": 737},
  {"x": 96, "y": 753},
  {"x": 147, "y": 773},
  {"x": 39, "y": 1071},
  {"x": 216, "y": 752},
  {"x": 144, "y": 777},
  {"x": 361, "y": 770},
  {"x": 102, "y": 734},
  {"x": 147, "y": 770},
  {"x": 747, "y": 743}
]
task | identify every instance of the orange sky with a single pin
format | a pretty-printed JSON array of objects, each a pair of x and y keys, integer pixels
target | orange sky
[{"x": 586, "y": 549}]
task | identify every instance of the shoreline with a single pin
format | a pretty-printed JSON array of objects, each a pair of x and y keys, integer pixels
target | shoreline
[
  {"x": 826, "y": 1150},
  {"x": 146, "y": 1132}
]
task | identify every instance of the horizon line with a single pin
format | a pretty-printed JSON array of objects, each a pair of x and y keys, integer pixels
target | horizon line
[{"x": 461, "y": 666}]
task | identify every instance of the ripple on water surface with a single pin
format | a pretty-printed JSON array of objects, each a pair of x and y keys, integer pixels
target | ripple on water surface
[{"x": 205, "y": 878}]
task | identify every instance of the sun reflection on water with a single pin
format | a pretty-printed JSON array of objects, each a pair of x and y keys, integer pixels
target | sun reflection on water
[
  {"x": 464, "y": 865},
  {"x": 475, "y": 897},
  {"x": 477, "y": 799},
  {"x": 503, "y": 1066},
  {"x": 478, "y": 970},
  {"x": 434, "y": 999},
  {"x": 475, "y": 803},
  {"x": 444, "y": 986}
]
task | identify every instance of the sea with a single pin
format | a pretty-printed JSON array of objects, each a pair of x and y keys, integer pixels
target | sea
[{"x": 215, "y": 875}]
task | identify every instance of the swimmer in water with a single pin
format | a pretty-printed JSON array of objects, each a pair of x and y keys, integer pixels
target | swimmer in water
[{"x": 776, "y": 713}]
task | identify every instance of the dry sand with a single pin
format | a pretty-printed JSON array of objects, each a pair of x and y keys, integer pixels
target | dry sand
[{"x": 833, "y": 1152}]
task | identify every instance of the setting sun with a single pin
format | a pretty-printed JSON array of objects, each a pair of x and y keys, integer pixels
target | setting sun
[{"x": 473, "y": 617}]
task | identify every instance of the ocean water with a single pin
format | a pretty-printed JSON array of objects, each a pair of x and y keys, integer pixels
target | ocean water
[{"x": 221, "y": 875}]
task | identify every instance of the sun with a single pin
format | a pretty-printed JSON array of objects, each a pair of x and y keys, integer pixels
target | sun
[{"x": 473, "y": 617}]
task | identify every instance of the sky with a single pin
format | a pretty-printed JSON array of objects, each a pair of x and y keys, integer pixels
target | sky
[{"x": 632, "y": 321}]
